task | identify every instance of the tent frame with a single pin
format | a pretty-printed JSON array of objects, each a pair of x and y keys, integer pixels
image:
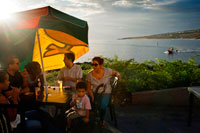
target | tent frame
[{"x": 44, "y": 74}]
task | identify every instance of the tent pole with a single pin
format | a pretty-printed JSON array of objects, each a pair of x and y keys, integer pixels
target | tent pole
[{"x": 44, "y": 75}]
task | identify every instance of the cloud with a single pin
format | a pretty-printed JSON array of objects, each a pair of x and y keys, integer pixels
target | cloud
[
  {"x": 86, "y": 3},
  {"x": 81, "y": 7},
  {"x": 123, "y": 3},
  {"x": 155, "y": 5},
  {"x": 112, "y": 19},
  {"x": 90, "y": 7},
  {"x": 50, "y": 1},
  {"x": 83, "y": 11},
  {"x": 183, "y": 6},
  {"x": 143, "y": 4}
]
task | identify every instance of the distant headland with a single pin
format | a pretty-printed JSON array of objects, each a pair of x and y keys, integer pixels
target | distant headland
[{"x": 188, "y": 34}]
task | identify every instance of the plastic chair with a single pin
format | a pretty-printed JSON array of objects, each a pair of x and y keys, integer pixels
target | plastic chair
[
  {"x": 111, "y": 103},
  {"x": 98, "y": 98}
]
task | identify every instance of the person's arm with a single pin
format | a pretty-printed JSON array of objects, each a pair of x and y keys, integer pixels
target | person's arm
[
  {"x": 86, "y": 118},
  {"x": 90, "y": 91},
  {"x": 12, "y": 112},
  {"x": 87, "y": 109},
  {"x": 67, "y": 78},
  {"x": 13, "y": 93},
  {"x": 73, "y": 103},
  {"x": 60, "y": 75},
  {"x": 79, "y": 75},
  {"x": 24, "y": 90}
]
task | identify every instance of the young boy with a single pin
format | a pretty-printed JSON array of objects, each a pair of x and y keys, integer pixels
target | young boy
[{"x": 80, "y": 105}]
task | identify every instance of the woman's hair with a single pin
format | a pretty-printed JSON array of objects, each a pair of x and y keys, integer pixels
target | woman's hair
[
  {"x": 2, "y": 76},
  {"x": 100, "y": 60},
  {"x": 33, "y": 68}
]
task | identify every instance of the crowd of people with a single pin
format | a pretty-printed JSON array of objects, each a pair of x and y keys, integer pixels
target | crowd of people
[{"x": 14, "y": 85}]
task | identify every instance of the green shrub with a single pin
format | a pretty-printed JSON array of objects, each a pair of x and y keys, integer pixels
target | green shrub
[
  {"x": 148, "y": 75},
  {"x": 51, "y": 78}
]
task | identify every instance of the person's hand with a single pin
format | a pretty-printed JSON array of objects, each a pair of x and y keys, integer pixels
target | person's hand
[
  {"x": 118, "y": 76},
  {"x": 86, "y": 120},
  {"x": 16, "y": 90},
  {"x": 15, "y": 94},
  {"x": 25, "y": 90},
  {"x": 76, "y": 98}
]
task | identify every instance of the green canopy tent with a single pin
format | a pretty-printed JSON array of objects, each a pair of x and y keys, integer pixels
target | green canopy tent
[
  {"x": 43, "y": 35},
  {"x": 44, "y": 30}
]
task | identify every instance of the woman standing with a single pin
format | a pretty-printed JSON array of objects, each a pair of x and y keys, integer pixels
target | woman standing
[{"x": 97, "y": 77}]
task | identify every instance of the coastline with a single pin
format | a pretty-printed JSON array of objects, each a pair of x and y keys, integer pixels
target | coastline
[
  {"x": 144, "y": 38},
  {"x": 183, "y": 35}
]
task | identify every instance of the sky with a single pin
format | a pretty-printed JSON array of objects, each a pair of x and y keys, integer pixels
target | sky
[{"x": 113, "y": 19}]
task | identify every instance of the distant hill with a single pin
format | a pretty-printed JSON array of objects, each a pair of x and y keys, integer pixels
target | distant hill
[{"x": 189, "y": 34}]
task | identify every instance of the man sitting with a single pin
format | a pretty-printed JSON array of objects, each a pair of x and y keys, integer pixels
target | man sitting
[
  {"x": 71, "y": 73},
  {"x": 18, "y": 81}
]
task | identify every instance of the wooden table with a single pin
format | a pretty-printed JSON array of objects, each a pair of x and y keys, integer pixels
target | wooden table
[
  {"x": 193, "y": 91},
  {"x": 57, "y": 97}
]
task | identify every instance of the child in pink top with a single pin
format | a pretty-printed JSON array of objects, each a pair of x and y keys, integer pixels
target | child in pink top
[{"x": 80, "y": 105}]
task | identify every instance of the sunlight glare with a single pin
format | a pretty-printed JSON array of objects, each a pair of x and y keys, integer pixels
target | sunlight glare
[{"x": 7, "y": 8}]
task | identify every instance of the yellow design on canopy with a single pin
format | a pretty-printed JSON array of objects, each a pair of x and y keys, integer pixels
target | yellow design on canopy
[{"x": 54, "y": 44}]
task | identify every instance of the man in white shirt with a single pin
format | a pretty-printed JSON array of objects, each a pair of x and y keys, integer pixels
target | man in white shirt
[{"x": 71, "y": 73}]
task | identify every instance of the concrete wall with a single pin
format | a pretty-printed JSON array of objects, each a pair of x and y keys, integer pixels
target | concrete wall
[{"x": 171, "y": 97}]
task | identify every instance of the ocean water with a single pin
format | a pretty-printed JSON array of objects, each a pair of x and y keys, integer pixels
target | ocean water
[{"x": 143, "y": 49}]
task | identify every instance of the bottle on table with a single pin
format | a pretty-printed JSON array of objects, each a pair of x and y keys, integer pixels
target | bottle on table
[{"x": 38, "y": 88}]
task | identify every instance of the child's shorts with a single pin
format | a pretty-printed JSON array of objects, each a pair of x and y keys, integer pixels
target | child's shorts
[{"x": 72, "y": 114}]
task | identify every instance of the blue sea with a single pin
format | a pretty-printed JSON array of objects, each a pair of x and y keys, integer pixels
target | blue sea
[{"x": 143, "y": 49}]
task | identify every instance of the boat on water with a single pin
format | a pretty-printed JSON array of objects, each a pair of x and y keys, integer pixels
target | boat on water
[{"x": 171, "y": 51}]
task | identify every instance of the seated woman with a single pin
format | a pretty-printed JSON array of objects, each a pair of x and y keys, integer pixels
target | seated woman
[
  {"x": 97, "y": 77},
  {"x": 35, "y": 77},
  {"x": 32, "y": 73},
  {"x": 37, "y": 120}
]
